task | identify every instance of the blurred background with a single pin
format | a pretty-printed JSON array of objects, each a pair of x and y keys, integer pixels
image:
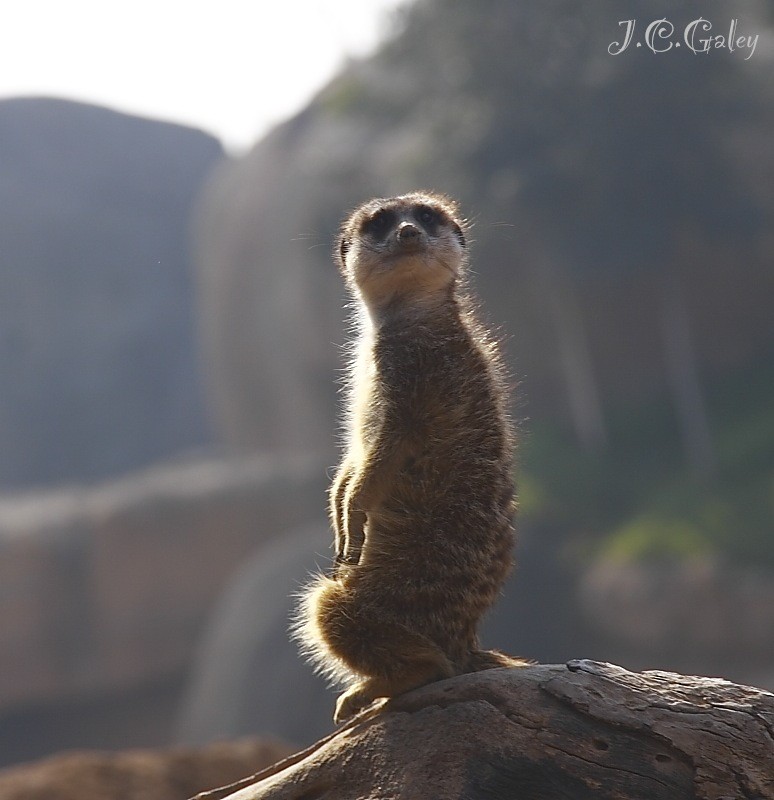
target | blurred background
[{"x": 171, "y": 331}]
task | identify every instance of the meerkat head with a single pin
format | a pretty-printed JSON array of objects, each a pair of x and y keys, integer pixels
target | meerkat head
[{"x": 403, "y": 250}]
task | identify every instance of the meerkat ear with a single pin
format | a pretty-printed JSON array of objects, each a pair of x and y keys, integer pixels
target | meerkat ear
[
  {"x": 343, "y": 249},
  {"x": 460, "y": 235}
]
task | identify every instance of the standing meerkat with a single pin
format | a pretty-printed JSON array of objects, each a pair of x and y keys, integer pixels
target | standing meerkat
[{"x": 423, "y": 500}]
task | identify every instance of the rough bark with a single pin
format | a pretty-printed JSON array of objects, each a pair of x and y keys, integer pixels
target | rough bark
[{"x": 584, "y": 730}]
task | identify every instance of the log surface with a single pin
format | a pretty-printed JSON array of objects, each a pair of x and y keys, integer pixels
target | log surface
[{"x": 582, "y": 730}]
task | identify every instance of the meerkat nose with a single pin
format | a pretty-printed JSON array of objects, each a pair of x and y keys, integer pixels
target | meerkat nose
[{"x": 407, "y": 232}]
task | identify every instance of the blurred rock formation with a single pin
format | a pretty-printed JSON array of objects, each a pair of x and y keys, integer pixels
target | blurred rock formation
[
  {"x": 97, "y": 352},
  {"x": 139, "y": 774},
  {"x": 106, "y": 590},
  {"x": 698, "y": 615}
]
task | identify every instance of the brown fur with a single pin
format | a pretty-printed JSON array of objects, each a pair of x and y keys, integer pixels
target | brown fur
[{"x": 423, "y": 500}]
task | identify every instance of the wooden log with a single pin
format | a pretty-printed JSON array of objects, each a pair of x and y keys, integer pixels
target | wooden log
[{"x": 582, "y": 730}]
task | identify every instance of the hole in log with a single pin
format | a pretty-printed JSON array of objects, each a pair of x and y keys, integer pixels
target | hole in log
[
  {"x": 601, "y": 744},
  {"x": 662, "y": 758}
]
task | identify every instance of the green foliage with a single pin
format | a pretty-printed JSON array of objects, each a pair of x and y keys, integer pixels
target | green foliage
[
  {"x": 651, "y": 538},
  {"x": 636, "y": 500}
]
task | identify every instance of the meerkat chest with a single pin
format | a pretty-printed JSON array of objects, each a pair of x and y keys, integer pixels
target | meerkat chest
[{"x": 364, "y": 405}]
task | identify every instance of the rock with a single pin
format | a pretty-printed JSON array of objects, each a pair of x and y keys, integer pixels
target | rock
[
  {"x": 271, "y": 301},
  {"x": 137, "y": 775},
  {"x": 108, "y": 588},
  {"x": 694, "y": 615},
  {"x": 97, "y": 342},
  {"x": 586, "y": 730}
]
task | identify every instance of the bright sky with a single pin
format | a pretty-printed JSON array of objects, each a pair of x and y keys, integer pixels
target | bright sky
[{"x": 231, "y": 67}]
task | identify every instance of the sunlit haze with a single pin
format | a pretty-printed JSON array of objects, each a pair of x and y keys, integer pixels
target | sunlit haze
[{"x": 232, "y": 68}]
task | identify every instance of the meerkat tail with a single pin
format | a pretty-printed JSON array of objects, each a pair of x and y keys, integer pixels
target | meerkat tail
[
  {"x": 491, "y": 659},
  {"x": 305, "y": 629}
]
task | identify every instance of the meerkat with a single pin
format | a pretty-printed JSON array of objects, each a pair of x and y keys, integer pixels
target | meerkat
[{"x": 423, "y": 500}]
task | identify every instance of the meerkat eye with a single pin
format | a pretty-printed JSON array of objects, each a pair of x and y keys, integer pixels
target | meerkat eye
[
  {"x": 427, "y": 216},
  {"x": 379, "y": 224}
]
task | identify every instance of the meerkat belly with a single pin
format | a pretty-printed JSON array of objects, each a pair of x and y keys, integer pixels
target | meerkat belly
[{"x": 437, "y": 505}]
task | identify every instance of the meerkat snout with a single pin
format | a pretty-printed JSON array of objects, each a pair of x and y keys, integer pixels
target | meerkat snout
[{"x": 407, "y": 232}]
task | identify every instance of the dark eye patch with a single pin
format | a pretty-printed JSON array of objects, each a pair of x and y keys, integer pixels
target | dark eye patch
[
  {"x": 428, "y": 218},
  {"x": 379, "y": 225}
]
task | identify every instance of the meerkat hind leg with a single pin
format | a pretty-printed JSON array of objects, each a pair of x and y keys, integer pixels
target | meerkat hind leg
[{"x": 366, "y": 691}]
